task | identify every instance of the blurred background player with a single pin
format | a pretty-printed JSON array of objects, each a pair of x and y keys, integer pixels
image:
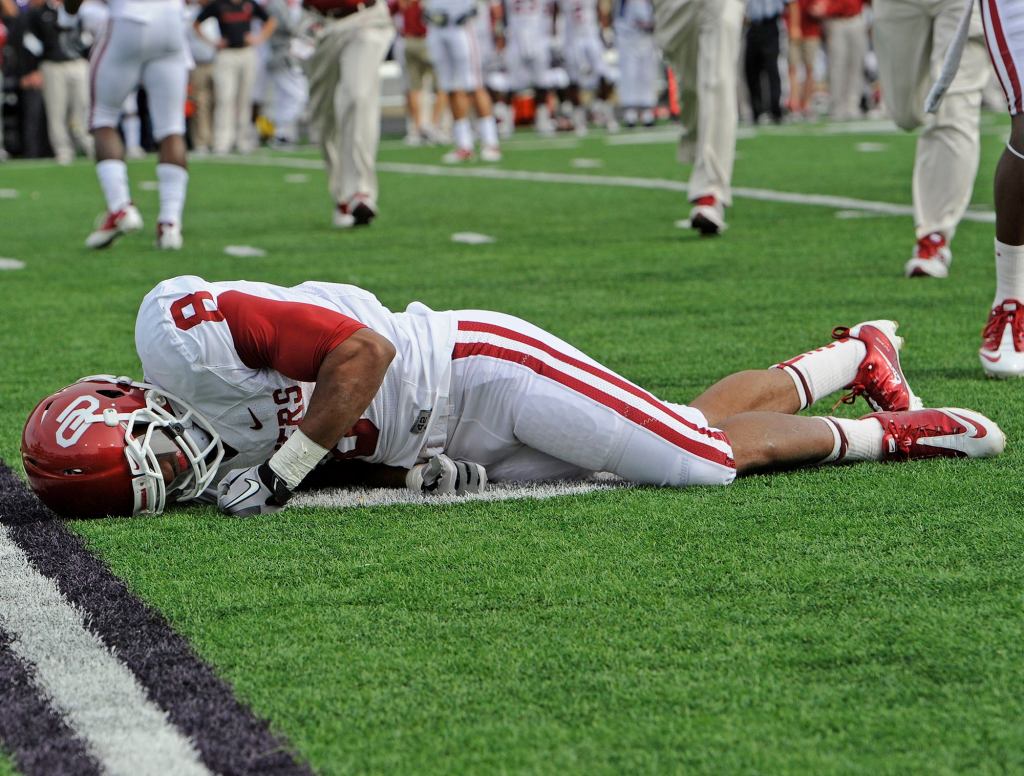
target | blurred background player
[
  {"x": 288, "y": 85},
  {"x": 344, "y": 100},
  {"x": 803, "y": 31},
  {"x": 585, "y": 64},
  {"x": 65, "y": 76},
  {"x": 452, "y": 42},
  {"x": 701, "y": 41},
  {"x": 846, "y": 43},
  {"x": 528, "y": 36},
  {"x": 638, "y": 61},
  {"x": 200, "y": 81},
  {"x": 417, "y": 68},
  {"x": 761, "y": 58},
  {"x": 911, "y": 38},
  {"x": 234, "y": 69},
  {"x": 144, "y": 44}
]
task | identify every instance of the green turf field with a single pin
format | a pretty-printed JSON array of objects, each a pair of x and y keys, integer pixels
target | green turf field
[{"x": 851, "y": 620}]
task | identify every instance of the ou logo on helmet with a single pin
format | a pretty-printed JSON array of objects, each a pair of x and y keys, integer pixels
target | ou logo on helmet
[{"x": 75, "y": 419}]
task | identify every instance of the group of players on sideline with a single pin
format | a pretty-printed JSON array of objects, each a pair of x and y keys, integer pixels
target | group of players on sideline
[{"x": 253, "y": 390}]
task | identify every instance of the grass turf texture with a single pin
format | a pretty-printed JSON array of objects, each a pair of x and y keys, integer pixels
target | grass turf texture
[{"x": 842, "y": 620}]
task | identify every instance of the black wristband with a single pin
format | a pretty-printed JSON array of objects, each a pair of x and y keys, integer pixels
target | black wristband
[{"x": 280, "y": 492}]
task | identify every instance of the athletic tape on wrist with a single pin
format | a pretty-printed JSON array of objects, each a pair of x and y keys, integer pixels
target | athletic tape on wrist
[{"x": 296, "y": 458}]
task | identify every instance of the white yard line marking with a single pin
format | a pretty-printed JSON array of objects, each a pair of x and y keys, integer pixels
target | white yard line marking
[
  {"x": 654, "y": 184},
  {"x": 8, "y": 193},
  {"x": 6, "y": 264},
  {"x": 149, "y": 186},
  {"x": 586, "y": 164},
  {"x": 244, "y": 251},
  {"x": 496, "y": 491},
  {"x": 472, "y": 238},
  {"x": 98, "y": 696}
]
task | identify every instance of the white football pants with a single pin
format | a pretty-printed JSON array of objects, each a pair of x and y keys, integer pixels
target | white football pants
[
  {"x": 530, "y": 407},
  {"x": 153, "y": 54},
  {"x": 911, "y": 38},
  {"x": 701, "y": 41},
  {"x": 638, "y": 69},
  {"x": 846, "y": 42},
  {"x": 1003, "y": 21},
  {"x": 456, "y": 56}
]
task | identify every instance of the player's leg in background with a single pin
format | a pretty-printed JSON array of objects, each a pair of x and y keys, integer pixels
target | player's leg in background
[
  {"x": 357, "y": 104},
  {"x": 78, "y": 105},
  {"x": 201, "y": 81},
  {"x": 115, "y": 69},
  {"x": 165, "y": 79},
  {"x": 753, "y": 67},
  {"x": 55, "y": 98},
  {"x": 246, "y": 79},
  {"x": 131, "y": 126},
  {"x": 225, "y": 96},
  {"x": 487, "y": 127},
  {"x": 1002, "y": 350},
  {"x": 323, "y": 72}
]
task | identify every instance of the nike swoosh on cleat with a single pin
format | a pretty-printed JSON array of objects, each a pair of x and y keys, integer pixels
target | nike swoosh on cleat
[
  {"x": 256, "y": 424},
  {"x": 994, "y": 359},
  {"x": 979, "y": 430},
  {"x": 253, "y": 487}
]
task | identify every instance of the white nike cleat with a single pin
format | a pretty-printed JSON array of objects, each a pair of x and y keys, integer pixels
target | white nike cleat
[
  {"x": 938, "y": 433},
  {"x": 168, "y": 237},
  {"x": 1002, "y": 341},
  {"x": 490, "y": 154},
  {"x": 931, "y": 258},
  {"x": 880, "y": 377},
  {"x": 126, "y": 220}
]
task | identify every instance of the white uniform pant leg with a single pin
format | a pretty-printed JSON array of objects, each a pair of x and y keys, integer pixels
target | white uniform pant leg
[
  {"x": 56, "y": 98},
  {"x": 847, "y": 46},
  {"x": 246, "y": 68},
  {"x": 225, "y": 97},
  {"x": 1003, "y": 22},
  {"x": 357, "y": 106},
  {"x": 165, "y": 75},
  {"x": 437, "y": 45},
  {"x": 529, "y": 406},
  {"x": 115, "y": 69}
]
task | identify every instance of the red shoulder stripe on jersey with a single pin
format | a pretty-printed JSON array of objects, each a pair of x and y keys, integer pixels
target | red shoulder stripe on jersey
[
  {"x": 292, "y": 338},
  {"x": 610, "y": 377},
  {"x": 628, "y": 411}
]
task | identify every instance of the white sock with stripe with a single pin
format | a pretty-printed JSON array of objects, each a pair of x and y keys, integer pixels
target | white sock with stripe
[
  {"x": 824, "y": 371},
  {"x": 1009, "y": 272},
  {"x": 854, "y": 440},
  {"x": 462, "y": 133},
  {"x": 113, "y": 175}
]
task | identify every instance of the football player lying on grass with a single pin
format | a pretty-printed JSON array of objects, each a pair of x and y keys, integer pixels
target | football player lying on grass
[{"x": 251, "y": 386}]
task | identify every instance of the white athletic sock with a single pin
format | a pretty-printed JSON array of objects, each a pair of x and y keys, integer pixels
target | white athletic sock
[
  {"x": 113, "y": 175},
  {"x": 855, "y": 440},
  {"x": 172, "y": 181},
  {"x": 462, "y": 133},
  {"x": 132, "y": 126},
  {"x": 1009, "y": 272},
  {"x": 487, "y": 128},
  {"x": 823, "y": 371}
]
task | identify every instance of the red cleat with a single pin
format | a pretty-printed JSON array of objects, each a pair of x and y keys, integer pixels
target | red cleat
[
  {"x": 880, "y": 379},
  {"x": 1002, "y": 345},
  {"x": 931, "y": 258},
  {"x": 938, "y": 433}
]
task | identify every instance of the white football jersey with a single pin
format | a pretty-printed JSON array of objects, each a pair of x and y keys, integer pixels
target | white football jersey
[
  {"x": 211, "y": 343},
  {"x": 579, "y": 16}
]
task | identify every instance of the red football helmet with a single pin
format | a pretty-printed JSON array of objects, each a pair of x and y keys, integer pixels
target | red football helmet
[{"x": 111, "y": 446}]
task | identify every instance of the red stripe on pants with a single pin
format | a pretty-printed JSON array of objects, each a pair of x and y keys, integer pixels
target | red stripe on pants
[{"x": 627, "y": 411}]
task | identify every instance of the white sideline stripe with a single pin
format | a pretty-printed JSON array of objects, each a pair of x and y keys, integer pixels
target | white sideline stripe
[
  {"x": 99, "y": 698},
  {"x": 354, "y": 498},
  {"x": 652, "y": 409},
  {"x": 653, "y": 184}
]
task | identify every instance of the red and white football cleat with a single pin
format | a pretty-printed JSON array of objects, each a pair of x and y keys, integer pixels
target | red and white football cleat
[
  {"x": 880, "y": 379},
  {"x": 931, "y": 258},
  {"x": 458, "y": 156},
  {"x": 126, "y": 220},
  {"x": 490, "y": 154},
  {"x": 168, "y": 236},
  {"x": 1002, "y": 341},
  {"x": 708, "y": 216},
  {"x": 938, "y": 433}
]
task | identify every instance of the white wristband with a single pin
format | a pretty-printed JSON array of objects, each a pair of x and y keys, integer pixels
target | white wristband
[{"x": 296, "y": 458}]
